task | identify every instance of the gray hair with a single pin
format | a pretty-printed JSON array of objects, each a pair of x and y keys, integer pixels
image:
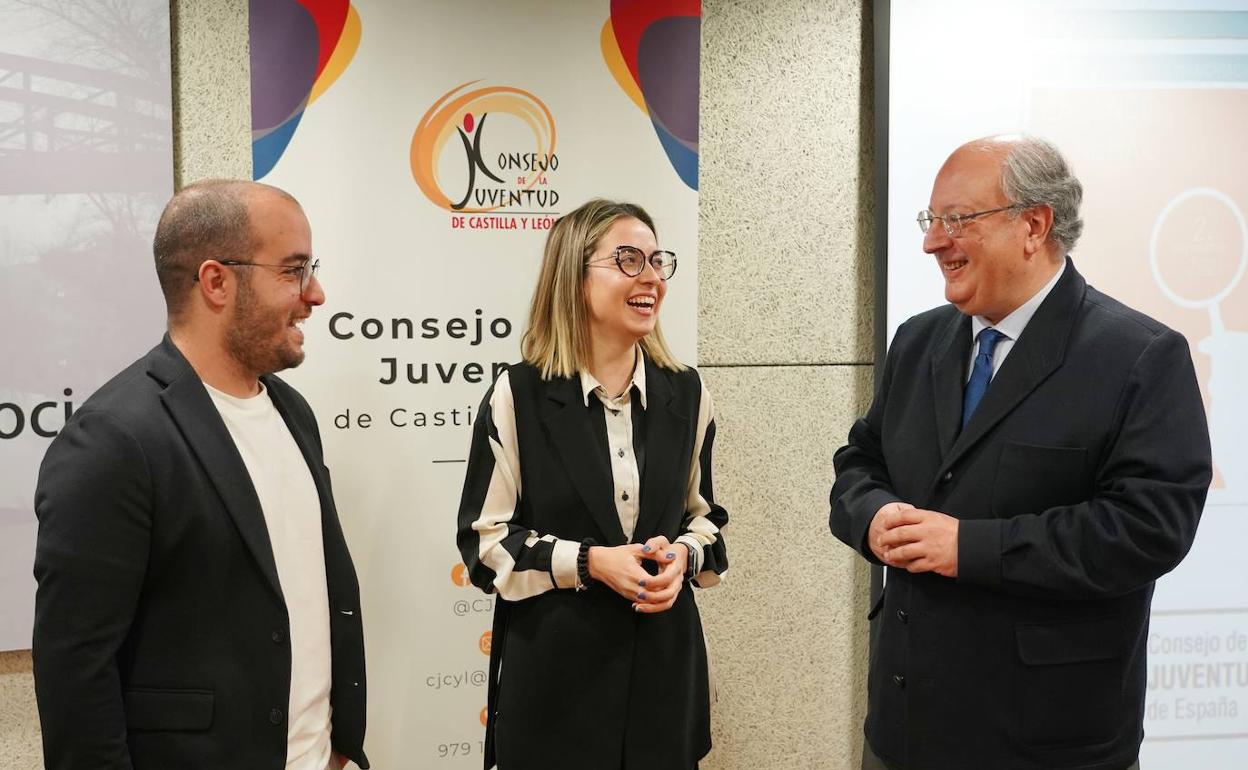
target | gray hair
[{"x": 1034, "y": 173}]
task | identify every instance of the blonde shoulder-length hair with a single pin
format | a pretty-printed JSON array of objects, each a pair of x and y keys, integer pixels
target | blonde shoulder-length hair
[{"x": 557, "y": 339}]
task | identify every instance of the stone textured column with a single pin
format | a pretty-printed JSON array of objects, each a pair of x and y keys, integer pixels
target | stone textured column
[
  {"x": 211, "y": 90},
  {"x": 785, "y": 344}
]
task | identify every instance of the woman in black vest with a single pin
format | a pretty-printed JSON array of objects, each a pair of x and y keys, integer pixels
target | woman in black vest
[{"x": 587, "y": 507}]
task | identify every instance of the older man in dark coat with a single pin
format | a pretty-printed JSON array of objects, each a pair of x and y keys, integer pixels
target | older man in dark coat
[{"x": 1035, "y": 458}]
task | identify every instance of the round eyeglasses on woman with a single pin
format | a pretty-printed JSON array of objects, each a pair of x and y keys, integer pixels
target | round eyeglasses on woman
[
  {"x": 956, "y": 223},
  {"x": 632, "y": 260}
]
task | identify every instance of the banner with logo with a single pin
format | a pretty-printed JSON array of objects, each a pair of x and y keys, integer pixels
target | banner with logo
[
  {"x": 1147, "y": 99},
  {"x": 433, "y": 145},
  {"x": 86, "y": 165}
]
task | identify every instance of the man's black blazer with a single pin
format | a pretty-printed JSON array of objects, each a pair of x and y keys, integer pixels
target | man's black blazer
[
  {"x": 1078, "y": 482},
  {"x": 160, "y": 636}
]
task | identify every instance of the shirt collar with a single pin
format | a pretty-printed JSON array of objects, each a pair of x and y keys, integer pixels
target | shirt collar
[
  {"x": 1013, "y": 324},
  {"x": 589, "y": 384}
]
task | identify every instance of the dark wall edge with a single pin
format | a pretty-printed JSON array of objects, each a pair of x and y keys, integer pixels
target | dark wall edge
[
  {"x": 880, "y": 29},
  {"x": 880, "y": 19}
]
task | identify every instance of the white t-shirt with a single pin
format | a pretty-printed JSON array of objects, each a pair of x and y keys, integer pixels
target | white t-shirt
[{"x": 292, "y": 513}]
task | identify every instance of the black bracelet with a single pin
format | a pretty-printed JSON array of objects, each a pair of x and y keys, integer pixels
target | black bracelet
[{"x": 583, "y": 580}]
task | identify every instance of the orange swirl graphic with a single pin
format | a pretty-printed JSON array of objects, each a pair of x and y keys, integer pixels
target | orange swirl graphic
[{"x": 444, "y": 118}]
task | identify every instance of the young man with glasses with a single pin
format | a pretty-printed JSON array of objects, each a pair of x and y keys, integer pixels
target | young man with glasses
[
  {"x": 1035, "y": 458},
  {"x": 197, "y": 605}
]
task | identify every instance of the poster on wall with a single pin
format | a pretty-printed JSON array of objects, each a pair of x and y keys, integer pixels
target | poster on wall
[
  {"x": 433, "y": 145},
  {"x": 1147, "y": 99},
  {"x": 86, "y": 164}
]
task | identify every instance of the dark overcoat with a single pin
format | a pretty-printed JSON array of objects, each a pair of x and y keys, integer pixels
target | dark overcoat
[{"x": 1078, "y": 482}]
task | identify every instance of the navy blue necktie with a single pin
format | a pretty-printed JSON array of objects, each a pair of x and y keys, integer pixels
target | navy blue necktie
[{"x": 981, "y": 373}]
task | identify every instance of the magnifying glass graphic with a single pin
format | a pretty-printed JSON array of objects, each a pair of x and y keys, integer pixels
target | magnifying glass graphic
[
  {"x": 1213, "y": 303},
  {"x": 1227, "y": 350}
]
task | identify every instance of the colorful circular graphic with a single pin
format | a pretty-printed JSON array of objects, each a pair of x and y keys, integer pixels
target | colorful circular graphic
[
  {"x": 298, "y": 49},
  {"x": 653, "y": 50},
  {"x": 464, "y": 113}
]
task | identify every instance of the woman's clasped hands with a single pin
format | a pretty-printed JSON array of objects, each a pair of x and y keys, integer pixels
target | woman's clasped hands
[{"x": 620, "y": 569}]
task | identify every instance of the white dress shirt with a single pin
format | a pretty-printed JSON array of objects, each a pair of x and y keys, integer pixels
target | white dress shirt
[{"x": 1011, "y": 326}]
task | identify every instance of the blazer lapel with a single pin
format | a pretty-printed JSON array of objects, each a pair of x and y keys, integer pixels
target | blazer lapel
[
  {"x": 1037, "y": 353},
  {"x": 953, "y": 350},
  {"x": 565, "y": 416},
  {"x": 309, "y": 446},
  {"x": 665, "y": 439},
  {"x": 196, "y": 416}
]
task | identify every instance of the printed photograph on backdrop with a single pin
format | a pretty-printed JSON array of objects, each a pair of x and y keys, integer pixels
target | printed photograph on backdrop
[{"x": 86, "y": 163}]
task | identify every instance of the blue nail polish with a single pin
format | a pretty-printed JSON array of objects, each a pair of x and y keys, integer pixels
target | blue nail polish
[
  {"x": 671, "y": 555},
  {"x": 641, "y": 583},
  {"x": 646, "y": 549},
  {"x": 641, "y": 596}
]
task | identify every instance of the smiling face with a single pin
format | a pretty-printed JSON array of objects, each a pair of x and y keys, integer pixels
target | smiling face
[
  {"x": 622, "y": 308},
  {"x": 264, "y": 335},
  {"x": 993, "y": 266}
]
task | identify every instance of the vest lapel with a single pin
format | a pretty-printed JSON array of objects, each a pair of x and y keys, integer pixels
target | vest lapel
[
  {"x": 667, "y": 431},
  {"x": 565, "y": 417}
]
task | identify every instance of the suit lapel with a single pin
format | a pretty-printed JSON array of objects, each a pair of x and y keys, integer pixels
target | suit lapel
[
  {"x": 1037, "y": 353},
  {"x": 309, "y": 446},
  {"x": 564, "y": 414},
  {"x": 196, "y": 416},
  {"x": 305, "y": 439},
  {"x": 953, "y": 350},
  {"x": 666, "y": 430}
]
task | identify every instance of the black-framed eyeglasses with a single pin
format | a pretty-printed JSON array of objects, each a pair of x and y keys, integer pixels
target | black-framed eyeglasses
[
  {"x": 303, "y": 272},
  {"x": 956, "y": 223},
  {"x": 632, "y": 260}
]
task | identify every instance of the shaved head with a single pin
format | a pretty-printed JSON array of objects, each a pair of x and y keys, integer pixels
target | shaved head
[{"x": 205, "y": 220}]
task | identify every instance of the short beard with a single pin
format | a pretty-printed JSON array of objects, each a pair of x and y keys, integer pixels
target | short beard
[{"x": 249, "y": 337}]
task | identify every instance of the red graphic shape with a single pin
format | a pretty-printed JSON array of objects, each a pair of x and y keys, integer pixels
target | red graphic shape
[
  {"x": 630, "y": 18},
  {"x": 330, "y": 17}
]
